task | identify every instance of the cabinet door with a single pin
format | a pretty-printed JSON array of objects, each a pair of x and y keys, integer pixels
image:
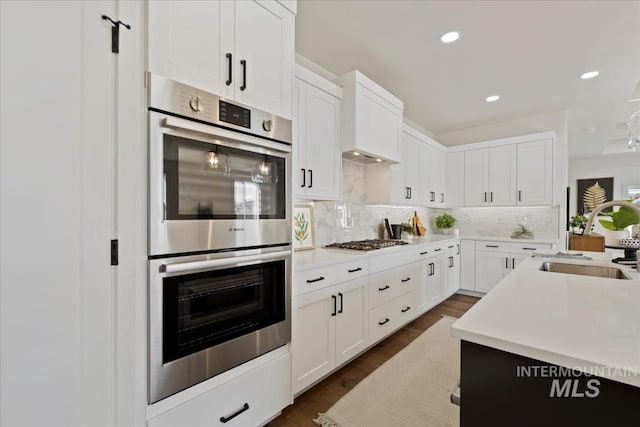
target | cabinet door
[
  {"x": 351, "y": 320},
  {"x": 186, "y": 43},
  {"x": 299, "y": 138},
  {"x": 453, "y": 273},
  {"x": 398, "y": 187},
  {"x": 378, "y": 124},
  {"x": 476, "y": 177},
  {"x": 454, "y": 186},
  {"x": 412, "y": 179},
  {"x": 535, "y": 173},
  {"x": 422, "y": 292},
  {"x": 313, "y": 337},
  {"x": 467, "y": 264},
  {"x": 323, "y": 144},
  {"x": 438, "y": 170},
  {"x": 502, "y": 176},
  {"x": 517, "y": 259},
  {"x": 264, "y": 40},
  {"x": 434, "y": 281},
  {"x": 491, "y": 267}
]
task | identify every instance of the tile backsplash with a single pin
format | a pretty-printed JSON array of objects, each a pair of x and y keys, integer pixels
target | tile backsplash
[{"x": 350, "y": 219}]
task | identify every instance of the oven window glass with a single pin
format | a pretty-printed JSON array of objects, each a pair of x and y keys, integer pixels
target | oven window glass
[
  {"x": 208, "y": 181},
  {"x": 202, "y": 310}
]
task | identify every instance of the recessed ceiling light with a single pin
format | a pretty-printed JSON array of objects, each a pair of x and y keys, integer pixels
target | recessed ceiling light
[
  {"x": 378, "y": 160},
  {"x": 355, "y": 153},
  {"x": 589, "y": 75},
  {"x": 450, "y": 37},
  {"x": 492, "y": 98}
]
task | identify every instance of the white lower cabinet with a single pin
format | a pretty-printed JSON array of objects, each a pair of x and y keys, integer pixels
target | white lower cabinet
[
  {"x": 385, "y": 319},
  {"x": 329, "y": 327},
  {"x": 239, "y": 402},
  {"x": 494, "y": 260}
]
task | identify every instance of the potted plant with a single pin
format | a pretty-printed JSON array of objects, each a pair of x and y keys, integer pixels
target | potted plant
[
  {"x": 577, "y": 223},
  {"x": 407, "y": 230},
  {"x": 616, "y": 229},
  {"x": 445, "y": 223}
]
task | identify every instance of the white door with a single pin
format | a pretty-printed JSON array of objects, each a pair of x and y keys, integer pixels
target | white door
[
  {"x": 412, "y": 170},
  {"x": 434, "y": 281},
  {"x": 300, "y": 137},
  {"x": 535, "y": 173},
  {"x": 313, "y": 337},
  {"x": 186, "y": 43},
  {"x": 323, "y": 144},
  {"x": 476, "y": 177},
  {"x": 455, "y": 180},
  {"x": 491, "y": 267},
  {"x": 502, "y": 176},
  {"x": 57, "y": 214},
  {"x": 351, "y": 319},
  {"x": 263, "y": 60}
]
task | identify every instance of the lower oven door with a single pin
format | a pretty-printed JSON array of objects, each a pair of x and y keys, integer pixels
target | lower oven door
[{"x": 210, "y": 313}]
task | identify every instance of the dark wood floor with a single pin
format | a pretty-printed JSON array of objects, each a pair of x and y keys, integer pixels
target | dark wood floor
[{"x": 327, "y": 392}]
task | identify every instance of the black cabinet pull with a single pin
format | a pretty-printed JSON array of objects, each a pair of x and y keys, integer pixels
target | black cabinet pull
[
  {"x": 519, "y": 195},
  {"x": 485, "y": 197},
  {"x": 405, "y": 280},
  {"x": 355, "y": 269},
  {"x": 304, "y": 177},
  {"x": 441, "y": 197},
  {"x": 424, "y": 253},
  {"x": 529, "y": 249},
  {"x": 315, "y": 280},
  {"x": 439, "y": 249},
  {"x": 407, "y": 308},
  {"x": 243, "y": 62},
  {"x": 230, "y": 65},
  {"x": 450, "y": 246},
  {"x": 513, "y": 263},
  {"x": 386, "y": 320},
  {"x": 431, "y": 269},
  {"x": 433, "y": 196},
  {"x": 458, "y": 250},
  {"x": 410, "y": 192},
  {"x": 506, "y": 262},
  {"x": 341, "y": 302},
  {"x": 491, "y": 198},
  {"x": 234, "y": 414},
  {"x": 450, "y": 262},
  {"x": 333, "y": 301},
  {"x": 406, "y": 192},
  {"x": 384, "y": 289},
  {"x": 310, "y": 178},
  {"x": 492, "y": 246}
]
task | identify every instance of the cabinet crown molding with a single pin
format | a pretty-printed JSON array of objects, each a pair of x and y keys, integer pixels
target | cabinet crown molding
[{"x": 503, "y": 141}]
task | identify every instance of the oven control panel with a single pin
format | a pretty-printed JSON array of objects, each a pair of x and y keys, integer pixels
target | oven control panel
[{"x": 234, "y": 114}]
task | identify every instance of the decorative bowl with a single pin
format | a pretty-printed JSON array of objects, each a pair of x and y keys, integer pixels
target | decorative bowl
[{"x": 630, "y": 243}]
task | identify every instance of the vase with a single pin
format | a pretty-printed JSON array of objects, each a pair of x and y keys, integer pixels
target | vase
[{"x": 612, "y": 238}]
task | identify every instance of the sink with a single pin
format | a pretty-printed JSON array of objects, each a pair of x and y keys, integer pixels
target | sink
[{"x": 584, "y": 270}]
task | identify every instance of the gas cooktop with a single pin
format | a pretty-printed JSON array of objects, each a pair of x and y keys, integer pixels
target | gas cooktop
[{"x": 366, "y": 245}]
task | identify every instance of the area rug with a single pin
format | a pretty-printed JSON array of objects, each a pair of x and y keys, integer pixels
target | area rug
[{"x": 411, "y": 389}]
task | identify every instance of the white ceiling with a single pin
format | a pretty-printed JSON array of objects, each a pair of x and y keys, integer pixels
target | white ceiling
[{"x": 530, "y": 53}]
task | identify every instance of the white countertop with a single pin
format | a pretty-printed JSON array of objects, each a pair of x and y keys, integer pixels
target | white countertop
[
  {"x": 580, "y": 322},
  {"x": 509, "y": 239},
  {"x": 304, "y": 260}
]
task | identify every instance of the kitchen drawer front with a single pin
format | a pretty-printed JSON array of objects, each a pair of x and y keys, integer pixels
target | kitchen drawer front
[
  {"x": 406, "y": 308},
  {"x": 248, "y": 390},
  {"x": 387, "y": 261},
  {"x": 318, "y": 278},
  {"x": 383, "y": 320},
  {"x": 524, "y": 247},
  {"x": 390, "y": 284}
]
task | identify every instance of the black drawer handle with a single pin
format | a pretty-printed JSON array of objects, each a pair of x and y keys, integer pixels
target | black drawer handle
[
  {"x": 310, "y": 178},
  {"x": 341, "y": 302},
  {"x": 424, "y": 253},
  {"x": 243, "y": 62},
  {"x": 334, "y": 302},
  {"x": 383, "y": 289},
  {"x": 230, "y": 64},
  {"x": 235, "y": 414},
  {"x": 386, "y": 320},
  {"x": 450, "y": 246},
  {"x": 315, "y": 280},
  {"x": 405, "y": 280},
  {"x": 529, "y": 249},
  {"x": 492, "y": 246},
  {"x": 407, "y": 308},
  {"x": 354, "y": 270},
  {"x": 439, "y": 249},
  {"x": 304, "y": 177}
]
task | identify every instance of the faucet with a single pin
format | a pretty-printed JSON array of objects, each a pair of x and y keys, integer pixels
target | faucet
[{"x": 604, "y": 206}]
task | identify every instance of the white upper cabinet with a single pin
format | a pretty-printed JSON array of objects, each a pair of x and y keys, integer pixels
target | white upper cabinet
[
  {"x": 372, "y": 118},
  {"x": 241, "y": 50},
  {"x": 502, "y": 176},
  {"x": 535, "y": 173},
  {"x": 476, "y": 177},
  {"x": 433, "y": 176},
  {"x": 317, "y": 137},
  {"x": 455, "y": 180}
]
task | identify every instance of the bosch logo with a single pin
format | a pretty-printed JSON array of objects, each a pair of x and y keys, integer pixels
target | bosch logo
[{"x": 235, "y": 229}]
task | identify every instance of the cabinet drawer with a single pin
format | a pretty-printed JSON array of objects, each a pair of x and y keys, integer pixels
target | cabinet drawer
[
  {"x": 244, "y": 395},
  {"x": 390, "y": 284},
  {"x": 406, "y": 308},
  {"x": 382, "y": 321},
  {"x": 318, "y": 278},
  {"x": 516, "y": 247}
]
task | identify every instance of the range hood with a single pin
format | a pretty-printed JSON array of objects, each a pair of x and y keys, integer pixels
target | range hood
[{"x": 364, "y": 158}]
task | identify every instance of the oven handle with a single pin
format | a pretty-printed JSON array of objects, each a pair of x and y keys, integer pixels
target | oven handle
[
  {"x": 234, "y": 261},
  {"x": 189, "y": 126}
]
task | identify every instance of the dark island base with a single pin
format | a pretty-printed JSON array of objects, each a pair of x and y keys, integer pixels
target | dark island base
[{"x": 503, "y": 389}]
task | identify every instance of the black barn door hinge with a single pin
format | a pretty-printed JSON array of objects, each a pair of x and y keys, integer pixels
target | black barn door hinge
[
  {"x": 114, "y": 252},
  {"x": 115, "y": 33}
]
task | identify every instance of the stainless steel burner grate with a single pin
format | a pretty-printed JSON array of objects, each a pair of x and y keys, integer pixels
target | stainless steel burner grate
[{"x": 366, "y": 245}]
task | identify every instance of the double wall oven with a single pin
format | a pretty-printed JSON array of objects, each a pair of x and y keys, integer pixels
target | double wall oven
[{"x": 219, "y": 235}]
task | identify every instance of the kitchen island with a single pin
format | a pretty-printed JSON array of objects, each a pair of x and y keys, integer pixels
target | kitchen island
[{"x": 519, "y": 340}]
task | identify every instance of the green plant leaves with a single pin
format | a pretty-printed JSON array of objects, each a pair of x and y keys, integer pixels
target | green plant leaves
[{"x": 621, "y": 219}]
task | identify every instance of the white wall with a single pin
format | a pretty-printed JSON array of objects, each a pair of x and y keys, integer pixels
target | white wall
[{"x": 624, "y": 168}]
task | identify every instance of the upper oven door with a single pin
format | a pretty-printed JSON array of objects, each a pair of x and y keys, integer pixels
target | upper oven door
[{"x": 214, "y": 189}]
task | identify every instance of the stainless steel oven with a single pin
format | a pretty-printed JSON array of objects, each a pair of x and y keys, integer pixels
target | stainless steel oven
[
  {"x": 210, "y": 313},
  {"x": 219, "y": 173}
]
